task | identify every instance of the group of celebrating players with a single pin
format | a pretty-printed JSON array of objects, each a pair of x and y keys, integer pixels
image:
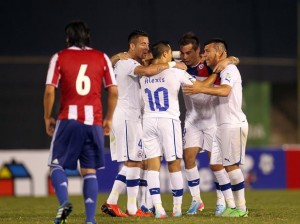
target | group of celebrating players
[{"x": 143, "y": 123}]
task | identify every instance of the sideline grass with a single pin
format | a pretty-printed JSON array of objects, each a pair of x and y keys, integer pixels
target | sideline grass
[{"x": 264, "y": 207}]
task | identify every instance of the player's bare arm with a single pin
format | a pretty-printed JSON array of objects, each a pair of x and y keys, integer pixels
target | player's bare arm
[
  {"x": 222, "y": 90},
  {"x": 49, "y": 97},
  {"x": 120, "y": 56},
  {"x": 154, "y": 69},
  {"x": 111, "y": 105},
  {"x": 197, "y": 85},
  {"x": 224, "y": 62}
]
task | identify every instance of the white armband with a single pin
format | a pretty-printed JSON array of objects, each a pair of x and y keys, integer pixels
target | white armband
[{"x": 172, "y": 64}]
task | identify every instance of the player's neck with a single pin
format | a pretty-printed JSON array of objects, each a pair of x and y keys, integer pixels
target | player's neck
[
  {"x": 197, "y": 62},
  {"x": 134, "y": 57},
  {"x": 158, "y": 61}
]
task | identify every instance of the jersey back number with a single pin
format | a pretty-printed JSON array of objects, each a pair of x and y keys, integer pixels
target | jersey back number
[
  {"x": 83, "y": 82},
  {"x": 155, "y": 104}
]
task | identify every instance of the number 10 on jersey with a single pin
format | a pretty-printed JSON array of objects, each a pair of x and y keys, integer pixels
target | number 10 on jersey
[{"x": 155, "y": 104}]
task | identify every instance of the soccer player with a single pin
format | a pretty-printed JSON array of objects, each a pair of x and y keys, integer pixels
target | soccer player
[
  {"x": 78, "y": 135},
  {"x": 232, "y": 128},
  {"x": 126, "y": 135},
  {"x": 161, "y": 127},
  {"x": 200, "y": 120}
]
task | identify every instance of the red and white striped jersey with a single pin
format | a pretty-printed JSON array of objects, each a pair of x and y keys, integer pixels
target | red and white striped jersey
[{"x": 80, "y": 73}]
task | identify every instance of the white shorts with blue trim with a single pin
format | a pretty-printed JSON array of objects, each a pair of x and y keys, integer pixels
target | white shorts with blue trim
[
  {"x": 231, "y": 142},
  {"x": 194, "y": 137},
  {"x": 162, "y": 137},
  {"x": 126, "y": 140}
]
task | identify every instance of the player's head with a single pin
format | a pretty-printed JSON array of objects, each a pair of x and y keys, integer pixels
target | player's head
[
  {"x": 161, "y": 50},
  {"x": 77, "y": 34},
  {"x": 189, "y": 49},
  {"x": 138, "y": 42},
  {"x": 215, "y": 50}
]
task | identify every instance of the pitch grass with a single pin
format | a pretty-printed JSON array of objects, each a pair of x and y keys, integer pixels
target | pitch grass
[{"x": 264, "y": 207}]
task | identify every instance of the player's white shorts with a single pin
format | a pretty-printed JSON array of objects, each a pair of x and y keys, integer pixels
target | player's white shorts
[
  {"x": 231, "y": 143},
  {"x": 216, "y": 155},
  {"x": 126, "y": 140},
  {"x": 195, "y": 137},
  {"x": 162, "y": 137}
]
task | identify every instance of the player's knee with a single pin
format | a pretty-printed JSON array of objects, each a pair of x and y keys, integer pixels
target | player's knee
[
  {"x": 216, "y": 167},
  {"x": 189, "y": 162}
]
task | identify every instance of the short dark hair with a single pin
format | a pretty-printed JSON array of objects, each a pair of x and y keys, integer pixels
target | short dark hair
[
  {"x": 159, "y": 48},
  {"x": 219, "y": 41},
  {"x": 78, "y": 34},
  {"x": 135, "y": 34},
  {"x": 189, "y": 38}
]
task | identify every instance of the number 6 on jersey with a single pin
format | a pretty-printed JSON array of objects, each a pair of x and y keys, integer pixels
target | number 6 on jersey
[{"x": 83, "y": 82}]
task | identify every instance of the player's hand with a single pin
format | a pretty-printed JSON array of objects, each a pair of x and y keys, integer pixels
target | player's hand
[
  {"x": 192, "y": 89},
  {"x": 107, "y": 126},
  {"x": 181, "y": 65},
  {"x": 123, "y": 56},
  {"x": 221, "y": 65},
  {"x": 50, "y": 125}
]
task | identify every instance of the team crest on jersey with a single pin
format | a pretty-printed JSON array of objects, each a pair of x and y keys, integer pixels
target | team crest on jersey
[
  {"x": 140, "y": 153},
  {"x": 201, "y": 66}
]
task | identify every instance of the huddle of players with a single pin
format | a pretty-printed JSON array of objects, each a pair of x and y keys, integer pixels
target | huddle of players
[{"x": 146, "y": 126}]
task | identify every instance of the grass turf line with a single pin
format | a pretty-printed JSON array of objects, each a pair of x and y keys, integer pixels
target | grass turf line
[{"x": 268, "y": 206}]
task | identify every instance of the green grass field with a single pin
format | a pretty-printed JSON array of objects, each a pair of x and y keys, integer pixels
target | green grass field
[{"x": 264, "y": 207}]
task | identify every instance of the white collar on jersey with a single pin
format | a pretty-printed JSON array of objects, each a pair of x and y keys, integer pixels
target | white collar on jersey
[{"x": 77, "y": 48}]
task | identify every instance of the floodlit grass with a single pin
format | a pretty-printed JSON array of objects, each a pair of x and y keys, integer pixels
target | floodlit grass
[{"x": 264, "y": 207}]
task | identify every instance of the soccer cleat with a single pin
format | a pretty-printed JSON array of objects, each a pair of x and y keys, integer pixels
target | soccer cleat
[
  {"x": 112, "y": 210},
  {"x": 147, "y": 211},
  {"x": 243, "y": 213},
  {"x": 140, "y": 213},
  {"x": 176, "y": 214},
  {"x": 195, "y": 207},
  {"x": 201, "y": 207},
  {"x": 152, "y": 210},
  {"x": 220, "y": 209},
  {"x": 162, "y": 215},
  {"x": 63, "y": 212},
  {"x": 234, "y": 212}
]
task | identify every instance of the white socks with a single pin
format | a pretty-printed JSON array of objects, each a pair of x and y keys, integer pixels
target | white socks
[
  {"x": 238, "y": 188},
  {"x": 193, "y": 178},
  {"x": 225, "y": 186},
  {"x": 118, "y": 187}
]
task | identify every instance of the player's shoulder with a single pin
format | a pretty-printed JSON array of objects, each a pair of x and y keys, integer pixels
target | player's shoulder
[
  {"x": 76, "y": 50},
  {"x": 177, "y": 74},
  {"x": 231, "y": 68},
  {"x": 127, "y": 62},
  {"x": 175, "y": 70}
]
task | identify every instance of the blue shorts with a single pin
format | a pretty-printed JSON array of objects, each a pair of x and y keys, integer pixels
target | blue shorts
[{"x": 73, "y": 141}]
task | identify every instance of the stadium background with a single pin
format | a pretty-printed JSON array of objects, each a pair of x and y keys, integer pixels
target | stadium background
[{"x": 263, "y": 34}]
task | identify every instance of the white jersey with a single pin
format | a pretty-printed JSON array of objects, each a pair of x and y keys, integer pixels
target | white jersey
[
  {"x": 200, "y": 109},
  {"x": 160, "y": 93},
  {"x": 129, "y": 96},
  {"x": 229, "y": 109}
]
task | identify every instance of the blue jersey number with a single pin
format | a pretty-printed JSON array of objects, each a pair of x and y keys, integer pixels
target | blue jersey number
[
  {"x": 156, "y": 101},
  {"x": 140, "y": 144}
]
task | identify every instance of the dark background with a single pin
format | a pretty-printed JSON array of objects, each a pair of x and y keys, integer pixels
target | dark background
[{"x": 263, "y": 34}]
